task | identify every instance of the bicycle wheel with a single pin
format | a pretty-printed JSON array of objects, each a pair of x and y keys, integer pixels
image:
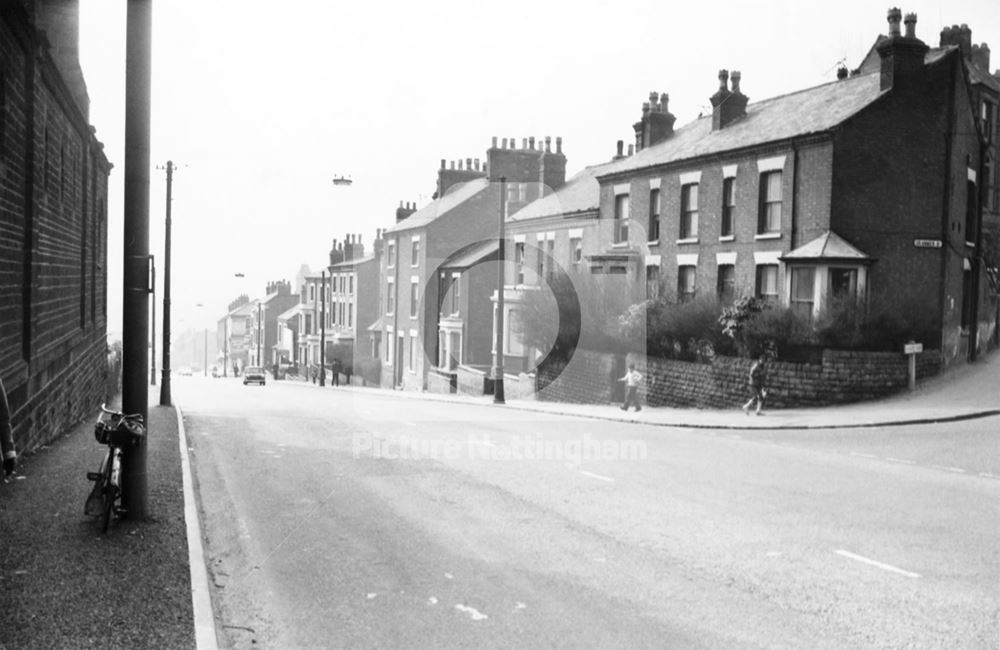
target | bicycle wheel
[{"x": 110, "y": 496}]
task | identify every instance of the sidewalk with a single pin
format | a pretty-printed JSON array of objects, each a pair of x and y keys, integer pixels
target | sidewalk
[
  {"x": 63, "y": 584},
  {"x": 967, "y": 392}
]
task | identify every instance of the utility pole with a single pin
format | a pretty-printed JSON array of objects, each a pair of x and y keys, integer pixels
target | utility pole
[
  {"x": 260, "y": 338},
  {"x": 165, "y": 384},
  {"x": 498, "y": 396},
  {"x": 322, "y": 331},
  {"x": 135, "y": 301},
  {"x": 152, "y": 342}
]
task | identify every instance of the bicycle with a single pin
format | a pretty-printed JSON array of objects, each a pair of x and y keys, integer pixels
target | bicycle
[{"x": 118, "y": 433}]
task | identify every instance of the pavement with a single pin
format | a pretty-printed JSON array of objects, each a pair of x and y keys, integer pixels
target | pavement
[{"x": 143, "y": 585}]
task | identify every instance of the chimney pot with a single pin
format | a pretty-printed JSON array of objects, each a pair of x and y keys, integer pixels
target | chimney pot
[
  {"x": 631, "y": 149},
  {"x": 645, "y": 108},
  {"x": 468, "y": 164},
  {"x": 893, "y": 17},
  {"x": 531, "y": 142},
  {"x": 452, "y": 164},
  {"x": 504, "y": 143},
  {"x": 735, "y": 79},
  {"x": 477, "y": 164},
  {"x": 559, "y": 144},
  {"x": 723, "y": 79},
  {"x": 494, "y": 142},
  {"x": 548, "y": 143},
  {"x": 621, "y": 147},
  {"x": 442, "y": 163},
  {"x": 911, "y": 25},
  {"x": 524, "y": 143},
  {"x": 842, "y": 72},
  {"x": 400, "y": 204},
  {"x": 664, "y": 100}
]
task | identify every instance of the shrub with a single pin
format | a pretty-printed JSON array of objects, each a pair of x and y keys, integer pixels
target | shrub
[
  {"x": 688, "y": 330},
  {"x": 885, "y": 324}
]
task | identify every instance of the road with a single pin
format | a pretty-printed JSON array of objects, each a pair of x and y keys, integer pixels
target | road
[{"x": 338, "y": 518}]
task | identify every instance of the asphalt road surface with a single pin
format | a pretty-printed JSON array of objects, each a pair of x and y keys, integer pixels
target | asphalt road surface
[{"x": 365, "y": 519}]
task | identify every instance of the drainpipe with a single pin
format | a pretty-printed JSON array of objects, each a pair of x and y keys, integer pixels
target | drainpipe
[
  {"x": 395, "y": 315},
  {"x": 795, "y": 193},
  {"x": 977, "y": 258}
]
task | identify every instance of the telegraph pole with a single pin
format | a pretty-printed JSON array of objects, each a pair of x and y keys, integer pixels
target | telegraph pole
[
  {"x": 165, "y": 383},
  {"x": 152, "y": 342},
  {"x": 135, "y": 301}
]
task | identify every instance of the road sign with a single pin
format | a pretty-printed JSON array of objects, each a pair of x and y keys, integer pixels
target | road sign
[
  {"x": 927, "y": 243},
  {"x": 913, "y": 348}
]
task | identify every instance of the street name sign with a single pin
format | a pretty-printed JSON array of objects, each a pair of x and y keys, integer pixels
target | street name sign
[
  {"x": 927, "y": 243},
  {"x": 913, "y": 348}
]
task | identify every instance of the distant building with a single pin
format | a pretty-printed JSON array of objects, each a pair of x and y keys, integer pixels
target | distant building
[
  {"x": 232, "y": 333},
  {"x": 263, "y": 322},
  {"x": 53, "y": 225}
]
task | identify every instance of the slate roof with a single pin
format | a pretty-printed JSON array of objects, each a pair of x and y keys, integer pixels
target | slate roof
[
  {"x": 580, "y": 193},
  {"x": 827, "y": 246},
  {"x": 439, "y": 207},
  {"x": 294, "y": 311},
  {"x": 809, "y": 111}
]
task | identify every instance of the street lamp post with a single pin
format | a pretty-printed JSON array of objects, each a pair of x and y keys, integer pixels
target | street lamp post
[
  {"x": 498, "y": 396},
  {"x": 322, "y": 331}
]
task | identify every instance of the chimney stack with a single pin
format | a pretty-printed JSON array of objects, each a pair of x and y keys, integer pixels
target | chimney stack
[
  {"x": 728, "y": 105},
  {"x": 902, "y": 57},
  {"x": 402, "y": 212},
  {"x": 620, "y": 150},
  {"x": 656, "y": 123}
]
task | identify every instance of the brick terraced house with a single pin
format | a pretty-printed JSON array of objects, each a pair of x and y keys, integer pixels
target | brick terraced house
[
  {"x": 879, "y": 184},
  {"x": 53, "y": 225}
]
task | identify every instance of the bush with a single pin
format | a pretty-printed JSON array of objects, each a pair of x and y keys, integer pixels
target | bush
[
  {"x": 885, "y": 325},
  {"x": 688, "y": 330}
]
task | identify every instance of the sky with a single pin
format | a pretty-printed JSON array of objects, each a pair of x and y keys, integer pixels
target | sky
[{"x": 261, "y": 104}]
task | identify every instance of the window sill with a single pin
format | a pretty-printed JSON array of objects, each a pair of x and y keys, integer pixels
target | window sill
[
  {"x": 768, "y": 235},
  {"x": 688, "y": 240},
  {"x": 653, "y": 242},
  {"x": 727, "y": 238},
  {"x": 620, "y": 244}
]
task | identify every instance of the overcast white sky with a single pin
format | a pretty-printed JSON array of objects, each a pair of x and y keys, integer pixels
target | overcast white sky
[{"x": 262, "y": 103}]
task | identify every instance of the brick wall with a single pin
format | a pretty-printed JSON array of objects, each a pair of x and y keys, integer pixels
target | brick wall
[
  {"x": 53, "y": 234},
  {"x": 843, "y": 376}
]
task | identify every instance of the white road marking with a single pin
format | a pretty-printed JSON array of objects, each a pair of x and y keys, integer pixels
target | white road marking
[
  {"x": 520, "y": 605},
  {"x": 201, "y": 601},
  {"x": 597, "y": 476},
  {"x": 988, "y": 475},
  {"x": 432, "y": 601},
  {"x": 860, "y": 455},
  {"x": 449, "y": 576},
  {"x": 957, "y": 470},
  {"x": 372, "y": 596},
  {"x": 475, "y": 614},
  {"x": 876, "y": 563},
  {"x": 901, "y": 460}
]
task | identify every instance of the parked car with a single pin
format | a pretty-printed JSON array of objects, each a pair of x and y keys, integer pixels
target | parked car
[{"x": 255, "y": 375}]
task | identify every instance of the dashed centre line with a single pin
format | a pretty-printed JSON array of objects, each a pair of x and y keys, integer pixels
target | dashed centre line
[
  {"x": 876, "y": 563},
  {"x": 597, "y": 476},
  {"x": 860, "y": 455},
  {"x": 957, "y": 470},
  {"x": 901, "y": 460}
]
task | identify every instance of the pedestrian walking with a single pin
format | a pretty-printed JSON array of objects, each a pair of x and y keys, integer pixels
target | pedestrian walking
[
  {"x": 757, "y": 382},
  {"x": 632, "y": 379},
  {"x": 337, "y": 366},
  {"x": 6, "y": 434}
]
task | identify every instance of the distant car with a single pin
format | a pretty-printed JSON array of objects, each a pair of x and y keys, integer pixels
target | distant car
[
  {"x": 184, "y": 371},
  {"x": 255, "y": 375}
]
